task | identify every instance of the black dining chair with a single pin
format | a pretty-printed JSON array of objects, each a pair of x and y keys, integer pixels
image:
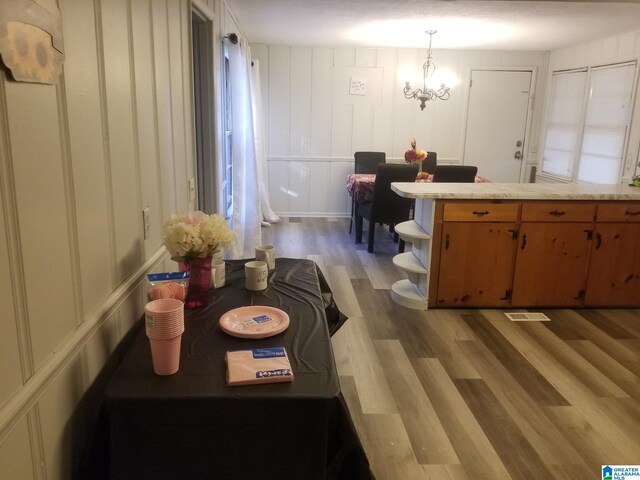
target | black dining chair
[
  {"x": 365, "y": 162},
  {"x": 387, "y": 206},
  {"x": 455, "y": 173},
  {"x": 429, "y": 164}
]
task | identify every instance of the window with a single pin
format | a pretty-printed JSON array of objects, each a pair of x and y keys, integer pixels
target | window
[
  {"x": 588, "y": 123},
  {"x": 227, "y": 168},
  {"x": 564, "y": 124}
]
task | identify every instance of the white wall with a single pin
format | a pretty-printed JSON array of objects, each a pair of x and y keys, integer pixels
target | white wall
[
  {"x": 78, "y": 163},
  {"x": 313, "y": 125},
  {"x": 619, "y": 48}
]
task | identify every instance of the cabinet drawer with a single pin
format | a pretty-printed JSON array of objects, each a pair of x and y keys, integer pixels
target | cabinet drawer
[
  {"x": 558, "y": 212},
  {"x": 480, "y": 212},
  {"x": 619, "y": 212}
]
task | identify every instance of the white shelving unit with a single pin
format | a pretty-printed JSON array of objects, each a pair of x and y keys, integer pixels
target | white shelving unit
[{"x": 413, "y": 292}]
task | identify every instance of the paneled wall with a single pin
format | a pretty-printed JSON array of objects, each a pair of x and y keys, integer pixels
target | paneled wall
[
  {"x": 78, "y": 163},
  {"x": 313, "y": 125},
  {"x": 616, "y": 49}
]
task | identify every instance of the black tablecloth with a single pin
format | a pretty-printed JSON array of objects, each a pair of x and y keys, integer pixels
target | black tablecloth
[{"x": 192, "y": 426}]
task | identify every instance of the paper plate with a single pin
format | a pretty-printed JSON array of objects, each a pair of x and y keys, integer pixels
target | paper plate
[{"x": 254, "y": 322}]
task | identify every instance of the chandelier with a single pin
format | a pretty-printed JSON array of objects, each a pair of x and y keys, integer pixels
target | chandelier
[{"x": 425, "y": 93}]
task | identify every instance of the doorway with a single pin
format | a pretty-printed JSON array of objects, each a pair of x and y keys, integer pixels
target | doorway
[
  {"x": 497, "y": 123},
  {"x": 204, "y": 111}
]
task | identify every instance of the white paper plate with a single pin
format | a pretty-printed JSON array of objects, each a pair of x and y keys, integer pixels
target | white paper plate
[{"x": 254, "y": 322}]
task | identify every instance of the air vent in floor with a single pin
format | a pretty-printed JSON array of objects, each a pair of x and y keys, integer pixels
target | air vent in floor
[{"x": 527, "y": 317}]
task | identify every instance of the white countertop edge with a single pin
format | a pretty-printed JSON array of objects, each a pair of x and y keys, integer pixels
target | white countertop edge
[{"x": 516, "y": 191}]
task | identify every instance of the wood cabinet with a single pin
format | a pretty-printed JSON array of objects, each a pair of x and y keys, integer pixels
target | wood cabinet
[
  {"x": 477, "y": 238},
  {"x": 551, "y": 264},
  {"x": 553, "y": 255},
  {"x": 614, "y": 268},
  {"x": 536, "y": 254},
  {"x": 583, "y": 246},
  {"x": 476, "y": 264}
]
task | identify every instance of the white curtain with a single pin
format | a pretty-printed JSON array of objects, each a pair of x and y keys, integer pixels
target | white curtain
[
  {"x": 268, "y": 215},
  {"x": 247, "y": 215}
]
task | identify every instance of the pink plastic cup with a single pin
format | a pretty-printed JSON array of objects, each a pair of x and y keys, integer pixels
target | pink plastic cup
[
  {"x": 164, "y": 306},
  {"x": 165, "y": 354},
  {"x": 164, "y": 318}
]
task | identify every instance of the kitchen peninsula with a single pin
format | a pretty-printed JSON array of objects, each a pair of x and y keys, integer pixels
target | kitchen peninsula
[{"x": 520, "y": 245}]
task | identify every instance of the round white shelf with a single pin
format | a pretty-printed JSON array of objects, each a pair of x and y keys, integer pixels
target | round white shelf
[
  {"x": 409, "y": 263},
  {"x": 410, "y": 231},
  {"x": 407, "y": 294}
]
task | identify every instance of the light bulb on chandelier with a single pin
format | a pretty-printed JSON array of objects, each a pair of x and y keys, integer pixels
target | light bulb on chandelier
[{"x": 427, "y": 93}]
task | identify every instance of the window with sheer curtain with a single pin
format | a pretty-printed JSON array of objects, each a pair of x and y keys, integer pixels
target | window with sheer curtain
[{"x": 588, "y": 123}]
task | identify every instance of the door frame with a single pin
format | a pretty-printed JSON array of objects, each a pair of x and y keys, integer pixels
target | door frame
[
  {"x": 203, "y": 57},
  {"x": 529, "y": 120}
]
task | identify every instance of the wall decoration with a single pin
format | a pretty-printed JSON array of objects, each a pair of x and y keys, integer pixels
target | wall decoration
[
  {"x": 31, "y": 40},
  {"x": 358, "y": 86}
]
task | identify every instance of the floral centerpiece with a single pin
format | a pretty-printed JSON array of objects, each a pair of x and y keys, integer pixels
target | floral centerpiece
[
  {"x": 416, "y": 156},
  {"x": 196, "y": 235},
  {"x": 191, "y": 240}
]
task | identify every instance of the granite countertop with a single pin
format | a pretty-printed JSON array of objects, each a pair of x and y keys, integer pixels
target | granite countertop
[{"x": 516, "y": 191}]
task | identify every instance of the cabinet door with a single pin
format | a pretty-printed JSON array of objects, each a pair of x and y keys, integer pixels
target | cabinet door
[
  {"x": 476, "y": 264},
  {"x": 614, "y": 267},
  {"x": 551, "y": 264}
]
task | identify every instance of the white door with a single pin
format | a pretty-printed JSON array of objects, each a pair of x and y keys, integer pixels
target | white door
[{"x": 496, "y": 123}]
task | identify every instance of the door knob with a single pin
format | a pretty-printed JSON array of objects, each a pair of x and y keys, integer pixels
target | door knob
[{"x": 518, "y": 155}]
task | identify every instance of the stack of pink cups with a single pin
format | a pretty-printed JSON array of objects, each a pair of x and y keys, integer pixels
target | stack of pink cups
[{"x": 164, "y": 324}]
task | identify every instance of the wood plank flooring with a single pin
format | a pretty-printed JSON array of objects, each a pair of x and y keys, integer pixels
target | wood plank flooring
[{"x": 468, "y": 394}]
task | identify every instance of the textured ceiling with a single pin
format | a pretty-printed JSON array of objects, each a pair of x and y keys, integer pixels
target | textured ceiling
[{"x": 486, "y": 25}]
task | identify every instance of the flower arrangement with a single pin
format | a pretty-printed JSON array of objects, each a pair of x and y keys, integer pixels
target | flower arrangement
[
  {"x": 196, "y": 235},
  {"x": 412, "y": 155}
]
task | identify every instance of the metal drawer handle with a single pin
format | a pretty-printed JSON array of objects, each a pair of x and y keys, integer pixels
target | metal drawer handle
[
  {"x": 557, "y": 213},
  {"x": 633, "y": 214},
  {"x": 480, "y": 214}
]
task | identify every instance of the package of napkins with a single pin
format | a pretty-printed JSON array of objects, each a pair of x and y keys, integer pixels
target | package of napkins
[{"x": 260, "y": 365}]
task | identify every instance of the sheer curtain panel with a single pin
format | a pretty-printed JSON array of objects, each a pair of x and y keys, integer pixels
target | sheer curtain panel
[
  {"x": 247, "y": 216},
  {"x": 268, "y": 215}
]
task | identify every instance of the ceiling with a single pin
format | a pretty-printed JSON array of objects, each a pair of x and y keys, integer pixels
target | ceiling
[{"x": 463, "y": 24}]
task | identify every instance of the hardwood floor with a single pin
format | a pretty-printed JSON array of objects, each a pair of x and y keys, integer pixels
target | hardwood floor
[{"x": 469, "y": 394}]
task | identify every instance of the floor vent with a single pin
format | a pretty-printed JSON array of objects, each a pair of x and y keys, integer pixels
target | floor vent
[{"x": 527, "y": 317}]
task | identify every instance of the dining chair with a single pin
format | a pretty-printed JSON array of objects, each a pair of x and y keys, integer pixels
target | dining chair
[
  {"x": 365, "y": 162},
  {"x": 429, "y": 164},
  {"x": 455, "y": 173},
  {"x": 386, "y": 206}
]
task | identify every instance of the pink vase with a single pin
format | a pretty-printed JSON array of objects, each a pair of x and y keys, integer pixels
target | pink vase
[{"x": 199, "y": 282}]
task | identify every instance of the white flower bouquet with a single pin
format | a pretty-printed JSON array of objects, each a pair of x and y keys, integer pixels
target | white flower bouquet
[{"x": 196, "y": 235}]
